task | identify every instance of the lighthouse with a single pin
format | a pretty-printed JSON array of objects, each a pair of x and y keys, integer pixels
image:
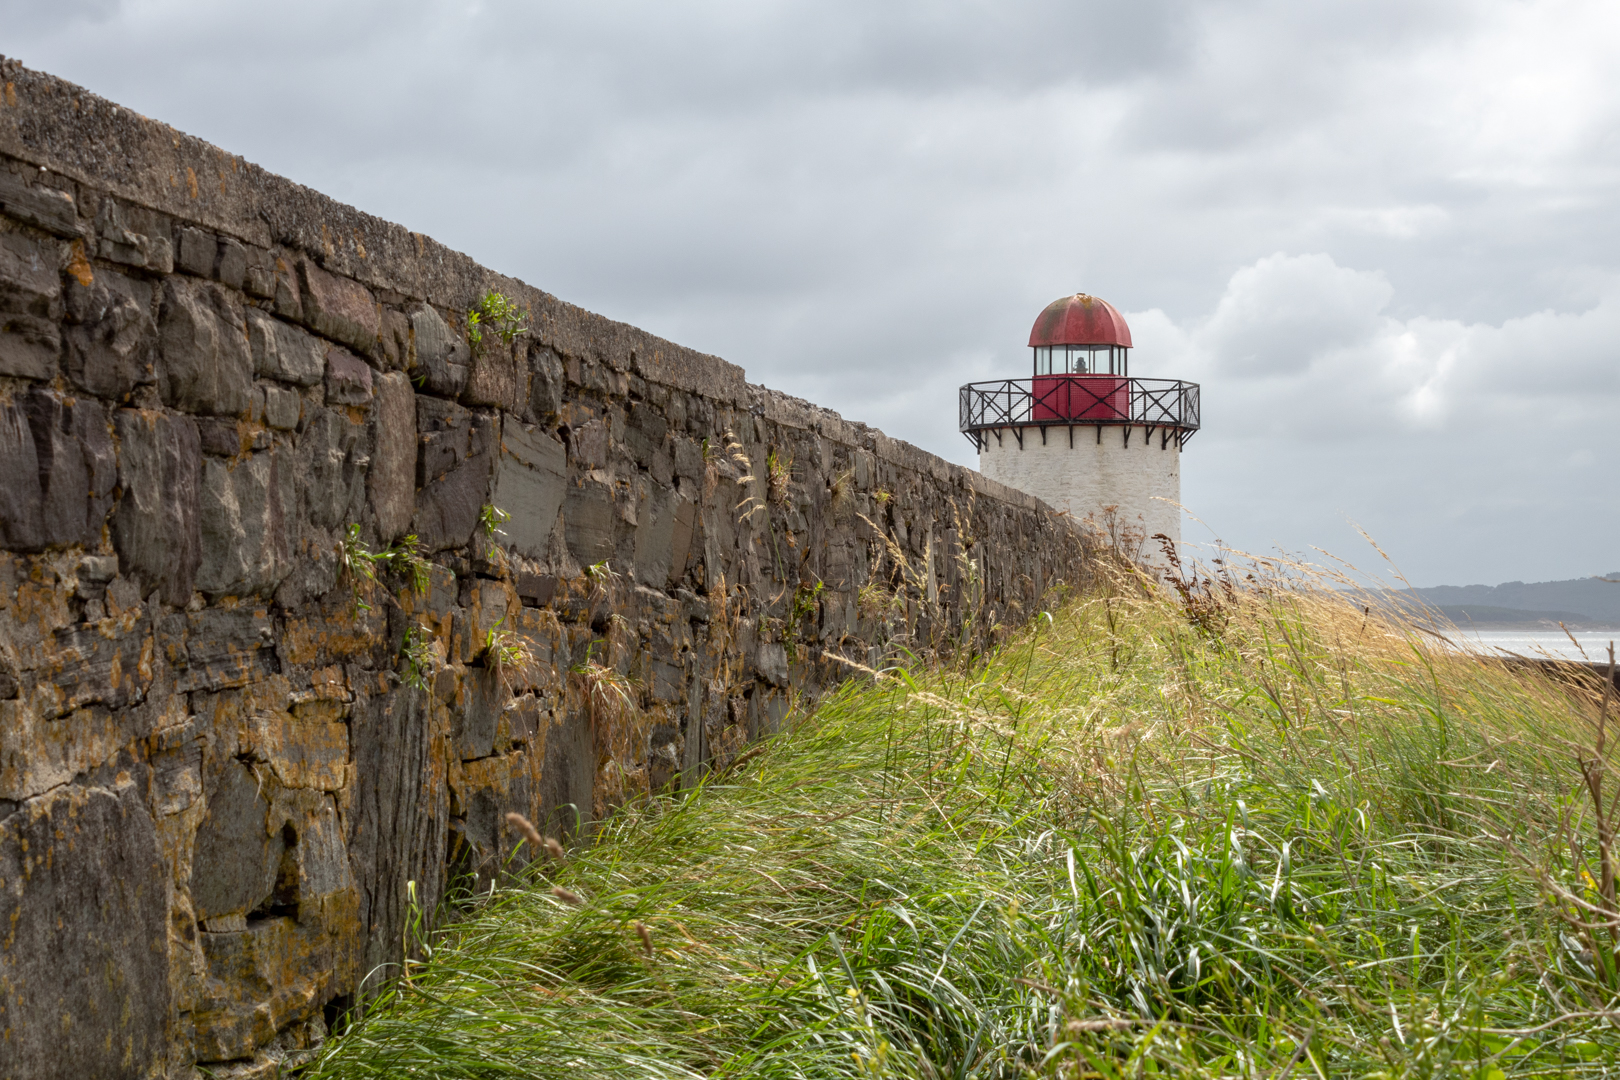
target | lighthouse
[{"x": 1081, "y": 433}]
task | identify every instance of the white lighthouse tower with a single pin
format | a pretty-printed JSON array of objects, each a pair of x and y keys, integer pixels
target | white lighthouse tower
[{"x": 1081, "y": 434}]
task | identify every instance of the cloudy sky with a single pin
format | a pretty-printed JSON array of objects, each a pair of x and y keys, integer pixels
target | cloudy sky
[{"x": 1384, "y": 234}]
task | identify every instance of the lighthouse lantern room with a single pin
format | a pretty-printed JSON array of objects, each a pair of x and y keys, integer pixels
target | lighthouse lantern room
[{"x": 1081, "y": 433}]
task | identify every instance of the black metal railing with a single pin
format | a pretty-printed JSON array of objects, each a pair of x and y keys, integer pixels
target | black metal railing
[{"x": 1089, "y": 400}]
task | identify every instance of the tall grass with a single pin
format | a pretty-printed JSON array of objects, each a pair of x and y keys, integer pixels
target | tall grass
[{"x": 1251, "y": 831}]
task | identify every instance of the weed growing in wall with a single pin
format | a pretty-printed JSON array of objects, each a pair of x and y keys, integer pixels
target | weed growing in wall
[
  {"x": 418, "y": 662},
  {"x": 358, "y": 565},
  {"x": 498, "y": 314},
  {"x": 778, "y": 477}
]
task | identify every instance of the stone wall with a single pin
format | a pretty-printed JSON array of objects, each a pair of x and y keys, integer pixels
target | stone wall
[{"x": 228, "y": 758}]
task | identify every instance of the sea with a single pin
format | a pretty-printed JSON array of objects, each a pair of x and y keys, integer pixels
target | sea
[{"x": 1590, "y": 645}]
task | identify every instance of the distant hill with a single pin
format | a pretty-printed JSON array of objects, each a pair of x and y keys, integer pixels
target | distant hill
[
  {"x": 1581, "y": 603},
  {"x": 1485, "y": 617}
]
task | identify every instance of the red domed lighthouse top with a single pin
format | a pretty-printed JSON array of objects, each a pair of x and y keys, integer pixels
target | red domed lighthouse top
[{"x": 1080, "y": 320}]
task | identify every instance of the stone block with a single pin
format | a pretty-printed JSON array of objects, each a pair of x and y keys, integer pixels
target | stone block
[
  {"x": 447, "y": 509},
  {"x": 29, "y": 346},
  {"x": 588, "y": 521},
  {"x": 30, "y": 305},
  {"x": 339, "y": 308},
  {"x": 289, "y": 297},
  {"x": 437, "y": 359},
  {"x": 282, "y": 351},
  {"x": 348, "y": 378},
  {"x": 94, "y": 665},
  {"x": 331, "y": 452},
  {"x": 37, "y": 205},
  {"x": 220, "y": 437},
  {"x": 239, "y": 849},
  {"x": 262, "y": 977},
  {"x": 531, "y": 476},
  {"x": 473, "y": 725},
  {"x": 119, "y": 244},
  {"x": 655, "y": 533},
  {"x": 391, "y": 480},
  {"x": 231, "y": 266},
  {"x": 535, "y": 589},
  {"x": 770, "y": 661},
  {"x": 394, "y": 345},
  {"x": 155, "y": 524},
  {"x": 688, "y": 458},
  {"x": 588, "y": 445},
  {"x": 301, "y": 753},
  {"x": 77, "y": 468},
  {"x": 223, "y": 647},
  {"x": 450, "y": 435},
  {"x": 22, "y": 512},
  {"x": 176, "y": 769},
  {"x": 84, "y": 971},
  {"x": 244, "y": 514},
  {"x": 683, "y": 526},
  {"x": 454, "y": 466},
  {"x": 546, "y": 383},
  {"x": 195, "y": 252},
  {"x": 204, "y": 365},
  {"x": 110, "y": 337},
  {"x": 397, "y": 821},
  {"x": 497, "y": 376},
  {"x": 283, "y": 407},
  {"x": 644, "y": 433}
]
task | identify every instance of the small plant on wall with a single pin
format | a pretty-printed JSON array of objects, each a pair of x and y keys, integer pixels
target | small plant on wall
[{"x": 497, "y": 314}]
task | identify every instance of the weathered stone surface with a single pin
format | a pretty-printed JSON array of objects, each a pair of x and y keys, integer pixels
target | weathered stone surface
[
  {"x": 111, "y": 339},
  {"x": 282, "y": 351},
  {"x": 38, "y": 205},
  {"x": 391, "y": 481},
  {"x": 30, "y": 305},
  {"x": 223, "y": 647},
  {"x": 77, "y": 469},
  {"x": 546, "y": 383},
  {"x": 239, "y": 849},
  {"x": 398, "y": 824},
  {"x": 530, "y": 479},
  {"x": 22, "y": 512},
  {"x": 588, "y": 517},
  {"x": 119, "y": 244},
  {"x": 454, "y": 467},
  {"x": 155, "y": 525},
  {"x": 282, "y": 407},
  {"x": 96, "y": 665},
  {"x": 195, "y": 251},
  {"x": 84, "y": 966},
  {"x": 332, "y": 462},
  {"x": 348, "y": 379},
  {"x": 655, "y": 535},
  {"x": 439, "y": 356},
  {"x": 231, "y": 264},
  {"x": 498, "y": 376},
  {"x": 203, "y": 360},
  {"x": 244, "y": 511},
  {"x": 339, "y": 308}
]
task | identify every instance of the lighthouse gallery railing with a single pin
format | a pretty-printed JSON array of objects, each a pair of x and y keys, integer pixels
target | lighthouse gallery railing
[{"x": 1047, "y": 400}]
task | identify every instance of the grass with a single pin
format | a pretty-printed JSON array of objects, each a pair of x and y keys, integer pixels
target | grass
[{"x": 1260, "y": 833}]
